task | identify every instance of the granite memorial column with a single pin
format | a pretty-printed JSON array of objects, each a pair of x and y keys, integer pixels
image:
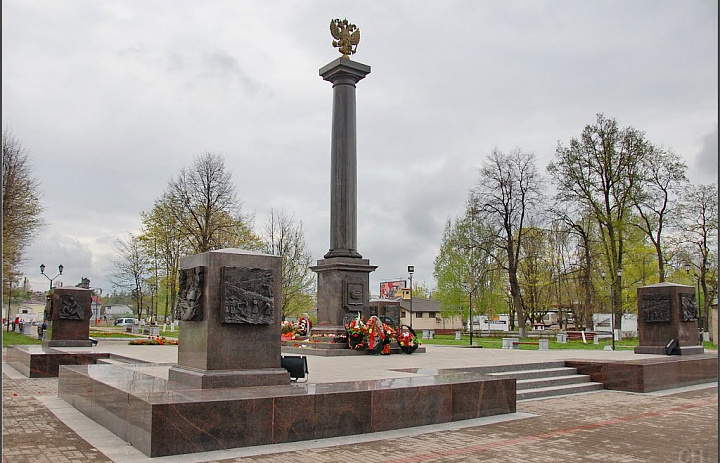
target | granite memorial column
[
  {"x": 343, "y": 275},
  {"x": 343, "y": 74}
]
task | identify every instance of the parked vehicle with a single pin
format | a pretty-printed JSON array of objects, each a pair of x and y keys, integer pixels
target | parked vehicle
[{"x": 125, "y": 321}]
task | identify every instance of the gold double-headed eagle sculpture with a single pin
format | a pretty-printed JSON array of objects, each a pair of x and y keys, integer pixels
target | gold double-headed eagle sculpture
[{"x": 346, "y": 35}]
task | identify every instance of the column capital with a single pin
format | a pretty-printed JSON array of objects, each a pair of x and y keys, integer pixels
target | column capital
[{"x": 344, "y": 68}]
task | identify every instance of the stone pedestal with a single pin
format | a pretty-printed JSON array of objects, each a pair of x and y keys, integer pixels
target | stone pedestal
[
  {"x": 229, "y": 312},
  {"x": 343, "y": 287},
  {"x": 68, "y": 318},
  {"x": 667, "y": 311}
]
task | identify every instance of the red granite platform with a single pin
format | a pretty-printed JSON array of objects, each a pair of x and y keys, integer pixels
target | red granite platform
[{"x": 161, "y": 417}]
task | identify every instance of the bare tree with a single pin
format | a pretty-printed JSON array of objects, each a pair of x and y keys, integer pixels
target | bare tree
[
  {"x": 284, "y": 237},
  {"x": 699, "y": 215},
  {"x": 22, "y": 209},
  {"x": 508, "y": 189},
  {"x": 132, "y": 269},
  {"x": 655, "y": 197},
  {"x": 578, "y": 231},
  {"x": 204, "y": 201}
]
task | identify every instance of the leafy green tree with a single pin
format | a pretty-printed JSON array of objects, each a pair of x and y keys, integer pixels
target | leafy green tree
[
  {"x": 166, "y": 244},
  {"x": 450, "y": 266},
  {"x": 598, "y": 172},
  {"x": 464, "y": 267},
  {"x": 420, "y": 290}
]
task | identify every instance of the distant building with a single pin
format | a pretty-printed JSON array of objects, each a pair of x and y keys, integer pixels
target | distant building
[
  {"x": 117, "y": 311},
  {"x": 426, "y": 315},
  {"x": 627, "y": 327}
]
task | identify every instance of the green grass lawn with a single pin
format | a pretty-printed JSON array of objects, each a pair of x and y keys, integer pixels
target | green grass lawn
[
  {"x": 12, "y": 338},
  {"x": 496, "y": 343}
]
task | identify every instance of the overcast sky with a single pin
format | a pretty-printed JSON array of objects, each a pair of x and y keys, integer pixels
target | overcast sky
[{"x": 112, "y": 98}]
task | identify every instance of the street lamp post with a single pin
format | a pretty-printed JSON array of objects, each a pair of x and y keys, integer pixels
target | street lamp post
[
  {"x": 468, "y": 288},
  {"x": 42, "y": 272},
  {"x": 411, "y": 270},
  {"x": 701, "y": 327},
  {"x": 612, "y": 305},
  {"x": 9, "y": 297}
]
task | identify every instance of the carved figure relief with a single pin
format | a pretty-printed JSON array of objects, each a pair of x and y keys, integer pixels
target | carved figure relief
[
  {"x": 190, "y": 306},
  {"x": 656, "y": 308},
  {"x": 70, "y": 309},
  {"x": 247, "y": 295},
  {"x": 346, "y": 35},
  {"x": 47, "y": 315},
  {"x": 688, "y": 312}
]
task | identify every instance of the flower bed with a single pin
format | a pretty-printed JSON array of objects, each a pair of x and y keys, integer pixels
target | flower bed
[{"x": 154, "y": 341}]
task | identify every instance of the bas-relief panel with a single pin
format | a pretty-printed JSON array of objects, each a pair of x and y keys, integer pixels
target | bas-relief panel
[
  {"x": 247, "y": 295},
  {"x": 189, "y": 306},
  {"x": 656, "y": 308},
  {"x": 688, "y": 308},
  {"x": 70, "y": 309}
]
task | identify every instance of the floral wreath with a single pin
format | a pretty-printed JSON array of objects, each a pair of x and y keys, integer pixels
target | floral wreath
[{"x": 407, "y": 339}]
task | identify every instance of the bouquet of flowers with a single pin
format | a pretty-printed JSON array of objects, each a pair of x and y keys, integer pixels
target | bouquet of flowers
[
  {"x": 389, "y": 336},
  {"x": 356, "y": 331},
  {"x": 288, "y": 330},
  {"x": 407, "y": 339}
]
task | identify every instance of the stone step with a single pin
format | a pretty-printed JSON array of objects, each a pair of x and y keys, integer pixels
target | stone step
[
  {"x": 512, "y": 367},
  {"x": 536, "y": 383},
  {"x": 536, "y": 373},
  {"x": 552, "y": 391}
]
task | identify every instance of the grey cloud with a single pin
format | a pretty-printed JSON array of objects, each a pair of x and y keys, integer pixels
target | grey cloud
[{"x": 705, "y": 165}]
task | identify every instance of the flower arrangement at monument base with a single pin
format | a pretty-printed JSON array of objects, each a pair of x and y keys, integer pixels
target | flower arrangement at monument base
[
  {"x": 407, "y": 339},
  {"x": 356, "y": 331},
  {"x": 155, "y": 341},
  {"x": 288, "y": 330},
  {"x": 379, "y": 336}
]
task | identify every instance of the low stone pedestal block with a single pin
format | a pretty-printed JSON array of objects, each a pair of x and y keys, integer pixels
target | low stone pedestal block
[
  {"x": 229, "y": 310},
  {"x": 667, "y": 311},
  {"x": 38, "y": 362},
  {"x": 151, "y": 413},
  {"x": 649, "y": 374},
  {"x": 68, "y": 317}
]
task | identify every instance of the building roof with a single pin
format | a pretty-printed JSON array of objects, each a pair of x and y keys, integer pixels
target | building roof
[{"x": 420, "y": 305}]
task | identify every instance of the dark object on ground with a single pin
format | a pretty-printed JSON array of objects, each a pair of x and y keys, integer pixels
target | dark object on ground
[
  {"x": 672, "y": 347},
  {"x": 296, "y": 365}
]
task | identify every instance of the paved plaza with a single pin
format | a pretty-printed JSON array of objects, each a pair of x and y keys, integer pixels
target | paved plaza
[{"x": 679, "y": 425}]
